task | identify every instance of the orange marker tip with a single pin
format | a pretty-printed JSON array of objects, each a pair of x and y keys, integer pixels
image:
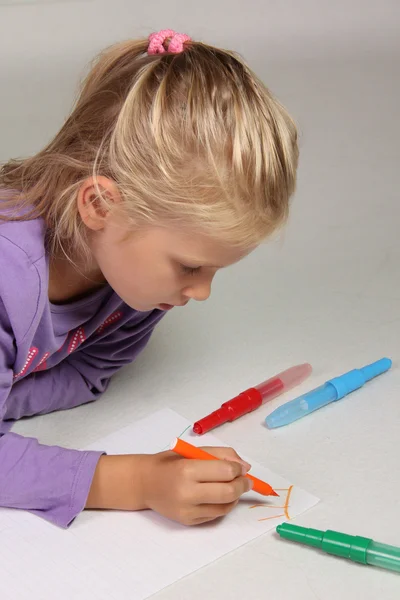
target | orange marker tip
[{"x": 273, "y": 493}]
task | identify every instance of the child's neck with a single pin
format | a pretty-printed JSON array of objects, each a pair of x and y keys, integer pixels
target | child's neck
[{"x": 68, "y": 282}]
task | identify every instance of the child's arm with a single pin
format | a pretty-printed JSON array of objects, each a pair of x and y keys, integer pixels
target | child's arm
[
  {"x": 54, "y": 482},
  {"x": 81, "y": 377},
  {"x": 49, "y": 481}
]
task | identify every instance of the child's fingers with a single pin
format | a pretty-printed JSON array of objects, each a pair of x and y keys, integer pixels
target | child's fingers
[
  {"x": 210, "y": 512},
  {"x": 222, "y": 493},
  {"x": 212, "y": 470},
  {"x": 227, "y": 454}
]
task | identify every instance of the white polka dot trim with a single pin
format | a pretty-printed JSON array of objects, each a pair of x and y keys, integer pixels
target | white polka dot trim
[
  {"x": 42, "y": 363},
  {"x": 33, "y": 352},
  {"x": 109, "y": 321},
  {"x": 77, "y": 339}
]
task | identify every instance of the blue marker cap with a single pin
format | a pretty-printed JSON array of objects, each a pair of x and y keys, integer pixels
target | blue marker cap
[{"x": 351, "y": 381}]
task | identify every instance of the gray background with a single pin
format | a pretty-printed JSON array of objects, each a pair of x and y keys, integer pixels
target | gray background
[{"x": 326, "y": 291}]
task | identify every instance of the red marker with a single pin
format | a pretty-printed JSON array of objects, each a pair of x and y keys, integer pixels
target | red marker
[{"x": 253, "y": 398}]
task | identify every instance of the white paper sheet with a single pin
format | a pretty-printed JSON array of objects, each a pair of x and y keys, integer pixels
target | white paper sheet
[{"x": 121, "y": 556}]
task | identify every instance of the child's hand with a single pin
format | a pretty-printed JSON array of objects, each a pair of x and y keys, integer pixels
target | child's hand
[
  {"x": 194, "y": 491},
  {"x": 185, "y": 490}
]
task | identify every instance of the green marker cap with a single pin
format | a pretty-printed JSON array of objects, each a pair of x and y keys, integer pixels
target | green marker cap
[{"x": 353, "y": 547}]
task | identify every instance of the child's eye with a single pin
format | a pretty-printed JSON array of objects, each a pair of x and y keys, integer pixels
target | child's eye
[{"x": 190, "y": 270}]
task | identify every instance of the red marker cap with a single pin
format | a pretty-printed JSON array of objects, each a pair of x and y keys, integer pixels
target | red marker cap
[{"x": 253, "y": 398}]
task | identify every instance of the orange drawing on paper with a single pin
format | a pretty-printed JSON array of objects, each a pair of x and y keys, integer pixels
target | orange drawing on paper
[{"x": 285, "y": 507}]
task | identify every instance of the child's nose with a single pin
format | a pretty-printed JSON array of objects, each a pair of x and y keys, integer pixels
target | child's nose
[{"x": 199, "y": 292}]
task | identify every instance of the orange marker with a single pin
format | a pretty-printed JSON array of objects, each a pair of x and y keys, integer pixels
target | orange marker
[{"x": 188, "y": 451}]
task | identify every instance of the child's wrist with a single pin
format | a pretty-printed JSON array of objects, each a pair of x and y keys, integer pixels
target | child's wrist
[{"x": 117, "y": 483}]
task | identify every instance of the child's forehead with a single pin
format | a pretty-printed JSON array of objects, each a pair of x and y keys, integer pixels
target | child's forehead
[
  {"x": 187, "y": 245},
  {"x": 201, "y": 250}
]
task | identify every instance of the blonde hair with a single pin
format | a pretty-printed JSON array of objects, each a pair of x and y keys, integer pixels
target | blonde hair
[{"x": 193, "y": 139}]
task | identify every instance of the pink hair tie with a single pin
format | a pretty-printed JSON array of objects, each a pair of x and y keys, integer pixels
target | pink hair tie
[{"x": 157, "y": 40}]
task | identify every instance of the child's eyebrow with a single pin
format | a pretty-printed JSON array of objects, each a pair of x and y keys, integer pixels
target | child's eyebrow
[{"x": 196, "y": 264}]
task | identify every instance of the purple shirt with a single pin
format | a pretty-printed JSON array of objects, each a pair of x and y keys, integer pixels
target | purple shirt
[{"x": 53, "y": 358}]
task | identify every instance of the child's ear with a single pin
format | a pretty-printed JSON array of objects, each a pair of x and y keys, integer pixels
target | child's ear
[{"x": 95, "y": 199}]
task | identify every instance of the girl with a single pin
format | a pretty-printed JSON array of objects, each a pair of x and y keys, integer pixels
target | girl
[{"x": 175, "y": 162}]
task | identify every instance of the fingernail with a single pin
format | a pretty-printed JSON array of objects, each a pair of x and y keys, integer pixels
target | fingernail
[
  {"x": 250, "y": 484},
  {"x": 245, "y": 468}
]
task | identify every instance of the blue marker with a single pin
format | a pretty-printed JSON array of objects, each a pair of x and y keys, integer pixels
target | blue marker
[{"x": 332, "y": 390}]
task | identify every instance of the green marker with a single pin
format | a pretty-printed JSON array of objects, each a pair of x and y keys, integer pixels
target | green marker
[{"x": 358, "y": 549}]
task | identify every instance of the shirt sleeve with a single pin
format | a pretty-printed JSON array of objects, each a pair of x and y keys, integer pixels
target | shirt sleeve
[{"x": 49, "y": 481}]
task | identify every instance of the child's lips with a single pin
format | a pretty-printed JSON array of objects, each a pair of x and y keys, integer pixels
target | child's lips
[
  {"x": 170, "y": 306},
  {"x": 166, "y": 306}
]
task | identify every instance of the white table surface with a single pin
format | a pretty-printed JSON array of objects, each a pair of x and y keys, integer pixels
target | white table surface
[{"x": 327, "y": 291}]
